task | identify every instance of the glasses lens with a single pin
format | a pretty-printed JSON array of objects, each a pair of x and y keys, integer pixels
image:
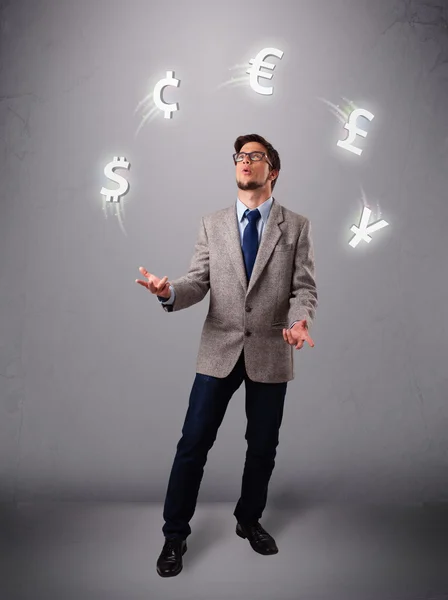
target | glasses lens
[{"x": 252, "y": 155}]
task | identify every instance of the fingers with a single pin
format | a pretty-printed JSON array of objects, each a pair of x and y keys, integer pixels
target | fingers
[
  {"x": 154, "y": 284},
  {"x": 144, "y": 272},
  {"x": 161, "y": 285},
  {"x": 157, "y": 288},
  {"x": 298, "y": 342},
  {"x": 146, "y": 284},
  {"x": 308, "y": 339},
  {"x": 287, "y": 336}
]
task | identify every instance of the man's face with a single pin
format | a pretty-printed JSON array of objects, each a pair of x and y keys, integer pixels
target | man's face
[{"x": 250, "y": 174}]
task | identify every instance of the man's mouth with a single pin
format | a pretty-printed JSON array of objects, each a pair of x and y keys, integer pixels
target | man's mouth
[{"x": 246, "y": 171}]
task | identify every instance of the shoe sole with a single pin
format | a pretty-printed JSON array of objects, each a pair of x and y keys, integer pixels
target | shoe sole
[
  {"x": 242, "y": 535},
  {"x": 173, "y": 573}
]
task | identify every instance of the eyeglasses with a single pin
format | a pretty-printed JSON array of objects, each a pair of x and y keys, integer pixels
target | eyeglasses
[{"x": 254, "y": 156}]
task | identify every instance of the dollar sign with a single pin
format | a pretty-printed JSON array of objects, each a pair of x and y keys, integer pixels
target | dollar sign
[
  {"x": 158, "y": 88},
  {"x": 255, "y": 72},
  {"x": 354, "y": 130},
  {"x": 114, "y": 195}
]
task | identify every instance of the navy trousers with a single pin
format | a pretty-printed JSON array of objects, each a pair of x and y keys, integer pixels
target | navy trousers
[{"x": 208, "y": 402}]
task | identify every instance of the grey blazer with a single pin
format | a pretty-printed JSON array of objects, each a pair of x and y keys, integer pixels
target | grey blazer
[{"x": 281, "y": 290}]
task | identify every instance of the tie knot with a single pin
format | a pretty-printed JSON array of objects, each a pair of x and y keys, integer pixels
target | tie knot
[{"x": 253, "y": 215}]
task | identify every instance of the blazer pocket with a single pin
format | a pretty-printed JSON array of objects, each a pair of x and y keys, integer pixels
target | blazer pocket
[
  {"x": 283, "y": 247},
  {"x": 212, "y": 318}
]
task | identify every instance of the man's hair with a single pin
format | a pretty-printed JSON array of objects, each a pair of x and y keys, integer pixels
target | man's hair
[{"x": 272, "y": 153}]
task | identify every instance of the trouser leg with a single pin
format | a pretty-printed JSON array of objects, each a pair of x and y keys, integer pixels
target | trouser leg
[
  {"x": 264, "y": 411},
  {"x": 208, "y": 402}
]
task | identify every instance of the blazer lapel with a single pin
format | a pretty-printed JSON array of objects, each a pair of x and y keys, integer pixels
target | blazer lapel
[{"x": 269, "y": 239}]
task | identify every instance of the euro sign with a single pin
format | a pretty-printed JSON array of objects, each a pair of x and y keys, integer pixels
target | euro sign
[
  {"x": 362, "y": 232},
  {"x": 255, "y": 72},
  {"x": 168, "y": 109},
  {"x": 354, "y": 130},
  {"x": 123, "y": 184}
]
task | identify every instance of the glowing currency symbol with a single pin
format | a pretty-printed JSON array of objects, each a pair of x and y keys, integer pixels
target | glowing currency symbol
[
  {"x": 123, "y": 184},
  {"x": 362, "y": 232},
  {"x": 158, "y": 88},
  {"x": 255, "y": 72},
  {"x": 354, "y": 130}
]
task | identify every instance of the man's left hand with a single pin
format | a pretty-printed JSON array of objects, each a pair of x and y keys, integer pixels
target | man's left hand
[{"x": 298, "y": 335}]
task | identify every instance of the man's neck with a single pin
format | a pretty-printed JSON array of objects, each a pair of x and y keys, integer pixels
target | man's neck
[{"x": 253, "y": 198}]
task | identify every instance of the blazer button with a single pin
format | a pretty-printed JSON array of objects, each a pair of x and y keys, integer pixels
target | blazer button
[
  {"x": 247, "y": 333},
  {"x": 248, "y": 309}
]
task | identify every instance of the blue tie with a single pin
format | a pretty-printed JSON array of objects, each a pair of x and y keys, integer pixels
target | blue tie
[{"x": 250, "y": 240}]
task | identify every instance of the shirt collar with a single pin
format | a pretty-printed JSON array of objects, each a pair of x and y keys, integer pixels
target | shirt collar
[{"x": 263, "y": 208}]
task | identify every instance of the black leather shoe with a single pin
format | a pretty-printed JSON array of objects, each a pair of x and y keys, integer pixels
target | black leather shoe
[
  {"x": 259, "y": 538},
  {"x": 169, "y": 562}
]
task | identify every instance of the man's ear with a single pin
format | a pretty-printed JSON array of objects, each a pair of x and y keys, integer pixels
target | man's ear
[{"x": 273, "y": 174}]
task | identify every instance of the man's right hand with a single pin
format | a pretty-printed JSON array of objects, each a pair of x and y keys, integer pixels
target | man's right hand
[{"x": 160, "y": 287}]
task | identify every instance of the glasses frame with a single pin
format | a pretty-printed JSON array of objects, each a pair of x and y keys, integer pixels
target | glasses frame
[{"x": 249, "y": 155}]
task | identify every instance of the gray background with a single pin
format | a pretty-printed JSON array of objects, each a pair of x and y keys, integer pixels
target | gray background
[{"x": 94, "y": 375}]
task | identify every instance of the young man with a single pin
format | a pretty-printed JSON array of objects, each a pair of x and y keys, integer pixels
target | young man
[{"x": 256, "y": 258}]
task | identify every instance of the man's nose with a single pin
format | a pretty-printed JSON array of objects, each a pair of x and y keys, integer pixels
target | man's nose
[{"x": 246, "y": 160}]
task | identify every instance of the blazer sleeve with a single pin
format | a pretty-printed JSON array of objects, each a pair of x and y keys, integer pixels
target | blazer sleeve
[
  {"x": 303, "y": 298},
  {"x": 192, "y": 287}
]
